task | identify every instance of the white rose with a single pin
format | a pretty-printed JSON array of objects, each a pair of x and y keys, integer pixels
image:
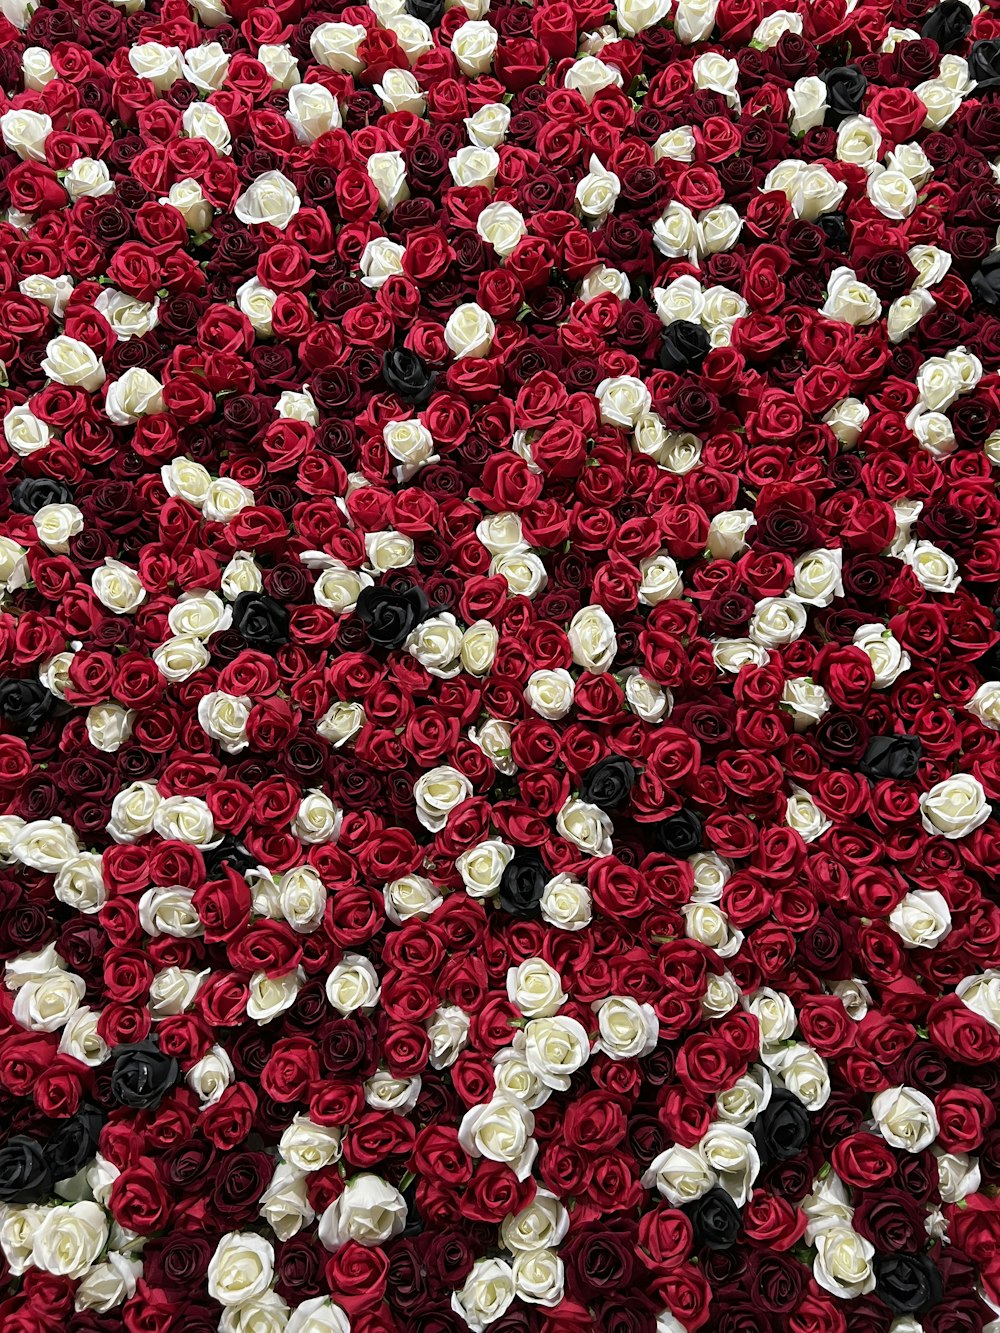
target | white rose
[
  {"x": 711, "y": 874},
  {"x": 921, "y": 919},
  {"x": 806, "y": 701},
  {"x": 955, "y": 807},
  {"x": 718, "y": 74},
  {"x": 206, "y": 66},
  {"x": 939, "y": 384},
  {"x": 523, "y": 571},
  {"x": 369, "y": 1211},
  {"x": 501, "y": 1131},
  {"x": 47, "y": 1004},
  {"x": 80, "y": 884},
  {"x": 565, "y": 903},
  {"x": 985, "y": 704},
  {"x": 586, "y": 826},
  {"x": 136, "y": 394},
  {"x": 623, "y": 400},
  {"x": 501, "y": 226},
  {"x": 270, "y": 996},
  {"x": 185, "y": 818},
  {"x": 771, "y": 29},
  {"x": 173, "y": 990},
  {"x": 310, "y": 1147},
  {"x": 302, "y": 898},
  {"x": 26, "y": 132},
  {"x": 549, "y": 692},
  {"x": 118, "y": 587},
  {"x": 336, "y": 46},
  {"x": 353, "y": 984},
  {"x": 201, "y": 120},
  {"x": 387, "y": 172},
  {"x": 539, "y": 1275},
  {"x": 676, "y": 233},
  {"x": 473, "y": 166},
  {"x": 888, "y": 658},
  {"x": 494, "y": 739},
  {"x": 804, "y": 816},
  {"x": 733, "y": 655},
  {"x": 958, "y": 1176},
  {"x": 679, "y": 145},
  {"x": 341, "y": 722},
  {"x": 469, "y": 330},
  {"x": 893, "y": 193},
  {"x": 647, "y": 699},
  {"x": 906, "y": 1118},
  {"x": 487, "y": 127},
  {"x": 37, "y": 68},
  {"x": 588, "y": 76},
  {"x": 732, "y": 1155},
  {"x": 257, "y": 302},
  {"x": 541, "y": 1224},
  {"x": 187, "y": 198},
  {"x": 592, "y": 639},
  {"x": 271, "y": 198},
  {"x": 535, "y": 988},
  {"x": 777, "y": 621},
  {"x": 24, "y": 432},
  {"x": 728, "y": 531},
  {"x": 225, "y": 499},
  {"x": 132, "y": 812},
  {"x": 803, "y": 1072},
  {"x": 318, "y": 1315},
  {"x": 931, "y": 264},
  {"x": 850, "y": 300},
  {"x": 473, "y": 45},
  {"x": 410, "y": 896},
  {"x": 448, "y": 1031},
  {"x": 400, "y": 91},
  {"x": 317, "y": 819},
  {"x": 281, "y": 65},
  {"x": 843, "y": 1263},
  {"x": 720, "y": 230},
  {"x": 69, "y": 1239},
  {"x": 807, "y": 102},
  {"x": 775, "y": 1014},
  {"x": 109, "y": 726},
  {"x": 241, "y": 1268},
  {"x": 741, "y": 1104},
  {"x": 598, "y": 191},
  {"x": 71, "y": 362},
  {"x": 627, "y": 1029},
  {"x": 267, "y": 1313},
  {"x": 436, "y": 793},
  {"x": 906, "y": 312},
  {"x": 486, "y": 1295},
  {"x": 859, "y": 141},
  {"x": 181, "y": 657},
  {"x": 935, "y": 569},
  {"x": 312, "y": 110},
  {"x": 127, "y": 317},
  {"x": 338, "y": 587},
  {"x": 482, "y": 867},
  {"x": 602, "y": 279},
  {"x": 680, "y": 1174},
  {"x": 661, "y": 580},
  {"x": 694, "y": 21},
  {"x": 941, "y": 102},
  {"x": 45, "y": 845},
  {"x": 818, "y": 577},
  {"x": 385, "y": 1093},
  {"x": 553, "y": 1049},
  {"x": 209, "y": 1077},
  {"x": 162, "y": 65},
  {"x": 284, "y": 1205}
]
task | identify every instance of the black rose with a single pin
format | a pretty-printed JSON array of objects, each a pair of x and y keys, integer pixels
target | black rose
[
  {"x": 33, "y": 493},
  {"x": 845, "y": 91},
  {"x": 24, "y": 704},
  {"x": 428, "y": 11},
  {"x": 228, "y": 853},
  {"x": 684, "y": 347},
  {"x": 907, "y": 1283},
  {"x": 408, "y": 376},
  {"x": 24, "y": 1173},
  {"x": 142, "y": 1074},
  {"x": 679, "y": 834},
  {"x": 891, "y": 757},
  {"x": 74, "y": 1143},
  {"x": 389, "y": 615},
  {"x": 715, "y": 1218},
  {"x": 834, "y": 229},
  {"x": 522, "y": 884},
  {"x": 984, "y": 63},
  {"x": 261, "y": 620},
  {"x": 986, "y": 281},
  {"x": 782, "y": 1128},
  {"x": 608, "y": 783},
  {"x": 948, "y": 25}
]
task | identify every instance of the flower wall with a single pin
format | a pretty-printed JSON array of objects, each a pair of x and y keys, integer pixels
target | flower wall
[{"x": 499, "y": 673}]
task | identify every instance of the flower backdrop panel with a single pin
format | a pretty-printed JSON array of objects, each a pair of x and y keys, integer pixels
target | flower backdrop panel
[{"x": 499, "y": 666}]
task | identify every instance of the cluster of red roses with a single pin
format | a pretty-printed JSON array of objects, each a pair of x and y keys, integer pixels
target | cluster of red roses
[{"x": 499, "y": 572}]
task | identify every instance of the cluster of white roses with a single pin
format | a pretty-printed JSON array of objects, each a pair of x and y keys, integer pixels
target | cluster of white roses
[
  {"x": 240, "y": 1278},
  {"x": 75, "y": 1239}
]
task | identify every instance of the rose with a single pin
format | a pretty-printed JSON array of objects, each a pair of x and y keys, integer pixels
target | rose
[
  {"x": 955, "y": 807},
  {"x": 142, "y": 1074}
]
